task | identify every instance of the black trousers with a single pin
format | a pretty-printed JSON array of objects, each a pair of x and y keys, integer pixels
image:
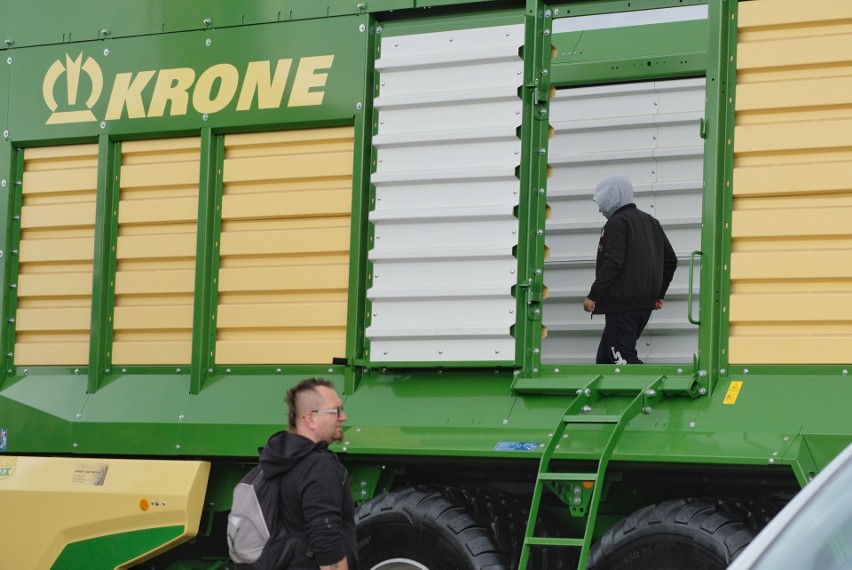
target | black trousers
[{"x": 618, "y": 342}]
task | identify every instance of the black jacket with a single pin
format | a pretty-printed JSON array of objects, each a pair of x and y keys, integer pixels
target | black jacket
[
  {"x": 635, "y": 263},
  {"x": 318, "y": 505}
]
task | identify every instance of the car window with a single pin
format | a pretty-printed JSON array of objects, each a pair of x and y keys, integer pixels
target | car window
[{"x": 819, "y": 537}]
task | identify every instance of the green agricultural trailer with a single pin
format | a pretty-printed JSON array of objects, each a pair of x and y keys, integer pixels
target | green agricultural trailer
[{"x": 203, "y": 202}]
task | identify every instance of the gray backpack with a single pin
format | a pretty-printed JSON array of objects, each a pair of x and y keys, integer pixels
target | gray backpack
[{"x": 256, "y": 534}]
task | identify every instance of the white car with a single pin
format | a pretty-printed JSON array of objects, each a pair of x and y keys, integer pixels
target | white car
[{"x": 813, "y": 531}]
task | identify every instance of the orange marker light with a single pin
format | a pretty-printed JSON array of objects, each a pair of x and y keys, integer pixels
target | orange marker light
[
  {"x": 144, "y": 504},
  {"x": 588, "y": 484}
]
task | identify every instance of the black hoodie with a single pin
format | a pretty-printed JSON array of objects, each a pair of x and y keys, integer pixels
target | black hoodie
[
  {"x": 635, "y": 263},
  {"x": 318, "y": 505}
]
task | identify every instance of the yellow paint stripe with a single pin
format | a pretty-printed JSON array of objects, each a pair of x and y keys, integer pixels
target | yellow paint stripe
[
  {"x": 150, "y": 282},
  {"x": 793, "y": 136},
  {"x": 814, "y": 50},
  {"x": 803, "y": 307},
  {"x": 54, "y": 319},
  {"x": 290, "y": 242},
  {"x": 795, "y": 350},
  {"x": 802, "y": 223},
  {"x": 786, "y": 12},
  {"x": 305, "y": 278},
  {"x": 67, "y": 181},
  {"x": 160, "y": 211},
  {"x": 272, "y": 315},
  {"x": 156, "y": 246},
  {"x": 287, "y": 204},
  {"x": 138, "y": 351},
  {"x": 54, "y": 284},
  {"x": 153, "y": 318},
  {"x": 791, "y": 265},
  {"x": 278, "y": 352}
]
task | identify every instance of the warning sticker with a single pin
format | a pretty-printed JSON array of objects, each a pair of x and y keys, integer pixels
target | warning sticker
[
  {"x": 90, "y": 474},
  {"x": 733, "y": 392},
  {"x": 3, "y": 434},
  {"x": 516, "y": 446}
]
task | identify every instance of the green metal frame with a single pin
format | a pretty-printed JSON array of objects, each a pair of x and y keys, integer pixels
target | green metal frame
[
  {"x": 12, "y": 240},
  {"x": 529, "y": 291},
  {"x": 104, "y": 262},
  {"x": 207, "y": 261},
  {"x": 725, "y": 13}
]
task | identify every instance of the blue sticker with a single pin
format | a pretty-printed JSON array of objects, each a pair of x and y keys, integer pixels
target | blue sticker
[
  {"x": 2, "y": 439},
  {"x": 516, "y": 446}
]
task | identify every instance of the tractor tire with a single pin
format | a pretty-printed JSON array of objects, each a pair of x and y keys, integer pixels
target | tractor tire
[
  {"x": 507, "y": 516},
  {"x": 420, "y": 529},
  {"x": 674, "y": 535}
]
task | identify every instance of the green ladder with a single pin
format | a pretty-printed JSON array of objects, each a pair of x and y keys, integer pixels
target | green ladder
[{"x": 579, "y": 413}]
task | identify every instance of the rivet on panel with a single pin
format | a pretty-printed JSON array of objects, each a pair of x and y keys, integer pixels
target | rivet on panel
[
  {"x": 556, "y": 371},
  {"x": 103, "y": 124},
  {"x": 177, "y": 446},
  {"x": 362, "y": 28},
  {"x": 3, "y": 183},
  {"x": 702, "y": 391},
  {"x": 106, "y": 53},
  {"x": 9, "y": 60}
]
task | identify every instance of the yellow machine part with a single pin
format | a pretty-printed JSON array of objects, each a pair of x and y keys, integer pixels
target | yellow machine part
[{"x": 51, "y": 502}]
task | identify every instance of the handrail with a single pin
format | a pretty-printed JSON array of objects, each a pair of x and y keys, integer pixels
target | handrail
[{"x": 689, "y": 288}]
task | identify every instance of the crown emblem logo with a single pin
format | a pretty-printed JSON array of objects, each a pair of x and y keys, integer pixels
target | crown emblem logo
[{"x": 72, "y": 110}]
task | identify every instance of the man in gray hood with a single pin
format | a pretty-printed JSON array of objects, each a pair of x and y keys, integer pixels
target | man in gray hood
[{"x": 635, "y": 265}]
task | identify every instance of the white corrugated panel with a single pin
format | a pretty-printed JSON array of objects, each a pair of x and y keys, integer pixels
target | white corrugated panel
[
  {"x": 648, "y": 132},
  {"x": 446, "y": 152}
]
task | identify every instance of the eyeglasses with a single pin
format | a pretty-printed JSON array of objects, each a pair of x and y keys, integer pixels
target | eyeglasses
[{"x": 338, "y": 411}]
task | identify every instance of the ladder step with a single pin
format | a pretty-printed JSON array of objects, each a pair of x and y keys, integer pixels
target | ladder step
[
  {"x": 570, "y": 419},
  {"x": 545, "y": 541},
  {"x": 568, "y": 476}
]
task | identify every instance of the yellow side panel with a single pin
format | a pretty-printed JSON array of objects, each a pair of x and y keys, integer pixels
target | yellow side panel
[
  {"x": 50, "y": 502},
  {"x": 56, "y": 255},
  {"x": 155, "y": 277},
  {"x": 791, "y": 261},
  {"x": 284, "y": 257}
]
